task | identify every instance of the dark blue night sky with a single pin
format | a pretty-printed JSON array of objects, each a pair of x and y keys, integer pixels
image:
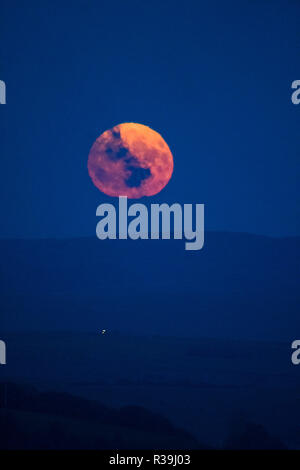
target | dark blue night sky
[{"x": 214, "y": 78}]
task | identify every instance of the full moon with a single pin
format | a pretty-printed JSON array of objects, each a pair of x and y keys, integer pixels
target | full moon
[{"x": 130, "y": 160}]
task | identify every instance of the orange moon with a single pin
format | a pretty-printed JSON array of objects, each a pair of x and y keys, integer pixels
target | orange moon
[{"x": 130, "y": 160}]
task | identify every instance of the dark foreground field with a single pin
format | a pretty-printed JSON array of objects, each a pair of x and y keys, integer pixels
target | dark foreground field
[
  {"x": 216, "y": 390},
  {"x": 200, "y": 338}
]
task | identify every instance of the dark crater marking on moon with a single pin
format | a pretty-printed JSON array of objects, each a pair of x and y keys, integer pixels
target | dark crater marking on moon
[{"x": 138, "y": 173}]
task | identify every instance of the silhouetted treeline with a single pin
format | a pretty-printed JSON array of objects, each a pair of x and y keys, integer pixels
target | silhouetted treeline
[{"x": 248, "y": 435}]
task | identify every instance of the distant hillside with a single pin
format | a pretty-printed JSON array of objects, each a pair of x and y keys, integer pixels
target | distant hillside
[{"x": 238, "y": 285}]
